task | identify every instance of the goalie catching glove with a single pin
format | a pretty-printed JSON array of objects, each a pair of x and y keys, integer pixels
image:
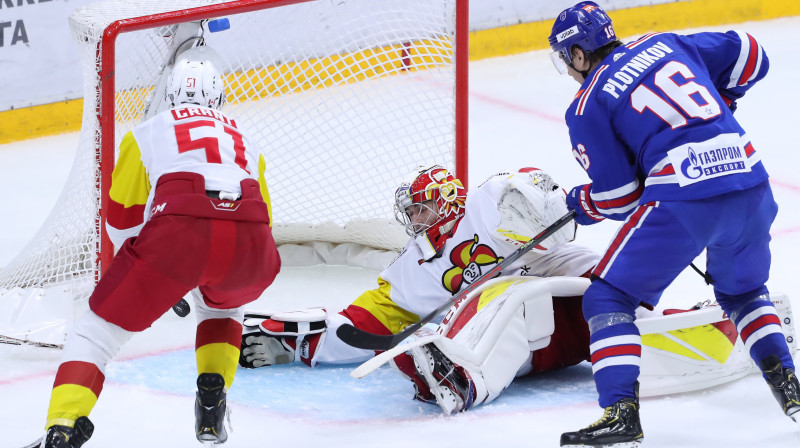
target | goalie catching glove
[
  {"x": 529, "y": 202},
  {"x": 281, "y": 338}
]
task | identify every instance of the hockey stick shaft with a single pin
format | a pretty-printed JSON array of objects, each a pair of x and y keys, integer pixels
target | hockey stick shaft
[
  {"x": 359, "y": 338},
  {"x": 17, "y": 341}
]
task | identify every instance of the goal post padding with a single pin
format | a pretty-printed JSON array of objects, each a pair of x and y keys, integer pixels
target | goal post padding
[{"x": 342, "y": 98}]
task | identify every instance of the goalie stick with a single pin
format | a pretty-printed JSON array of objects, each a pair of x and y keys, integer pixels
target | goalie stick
[{"x": 359, "y": 338}]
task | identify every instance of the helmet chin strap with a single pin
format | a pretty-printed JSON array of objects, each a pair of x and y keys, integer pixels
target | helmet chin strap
[{"x": 584, "y": 73}]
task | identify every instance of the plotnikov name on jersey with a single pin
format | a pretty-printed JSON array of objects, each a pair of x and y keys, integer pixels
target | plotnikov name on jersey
[{"x": 620, "y": 80}]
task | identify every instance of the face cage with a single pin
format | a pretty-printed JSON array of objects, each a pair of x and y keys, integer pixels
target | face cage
[
  {"x": 560, "y": 61},
  {"x": 415, "y": 228}
]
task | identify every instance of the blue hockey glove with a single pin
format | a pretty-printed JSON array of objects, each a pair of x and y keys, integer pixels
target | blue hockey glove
[
  {"x": 579, "y": 200},
  {"x": 730, "y": 103}
]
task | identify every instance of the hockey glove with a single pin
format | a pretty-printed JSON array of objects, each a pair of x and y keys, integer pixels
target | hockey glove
[
  {"x": 260, "y": 349},
  {"x": 580, "y": 200},
  {"x": 730, "y": 103},
  {"x": 281, "y": 338}
]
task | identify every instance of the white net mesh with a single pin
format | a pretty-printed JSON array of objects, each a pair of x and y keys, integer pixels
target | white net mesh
[{"x": 343, "y": 98}]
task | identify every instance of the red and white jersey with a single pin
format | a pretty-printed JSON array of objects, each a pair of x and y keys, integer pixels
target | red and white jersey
[
  {"x": 473, "y": 249},
  {"x": 199, "y": 140},
  {"x": 187, "y": 138},
  {"x": 410, "y": 287}
]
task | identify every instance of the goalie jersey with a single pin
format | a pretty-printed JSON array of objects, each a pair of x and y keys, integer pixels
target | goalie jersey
[
  {"x": 664, "y": 90},
  {"x": 411, "y": 287}
]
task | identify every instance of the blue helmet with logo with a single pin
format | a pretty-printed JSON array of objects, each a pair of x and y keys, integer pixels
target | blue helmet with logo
[{"x": 585, "y": 25}]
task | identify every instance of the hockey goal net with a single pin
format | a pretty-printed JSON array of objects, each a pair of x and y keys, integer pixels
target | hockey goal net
[{"x": 343, "y": 97}]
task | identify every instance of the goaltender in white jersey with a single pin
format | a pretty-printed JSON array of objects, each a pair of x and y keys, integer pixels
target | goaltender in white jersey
[
  {"x": 529, "y": 320},
  {"x": 454, "y": 239}
]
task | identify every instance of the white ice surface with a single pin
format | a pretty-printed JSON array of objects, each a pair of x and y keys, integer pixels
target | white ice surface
[{"x": 516, "y": 110}]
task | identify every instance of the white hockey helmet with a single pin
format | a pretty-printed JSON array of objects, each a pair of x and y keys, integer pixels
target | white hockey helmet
[{"x": 196, "y": 79}]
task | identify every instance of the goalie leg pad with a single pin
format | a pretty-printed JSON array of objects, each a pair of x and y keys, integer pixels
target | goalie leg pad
[
  {"x": 687, "y": 350},
  {"x": 487, "y": 342}
]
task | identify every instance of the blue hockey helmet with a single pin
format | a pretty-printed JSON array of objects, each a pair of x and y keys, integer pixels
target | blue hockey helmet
[{"x": 585, "y": 25}]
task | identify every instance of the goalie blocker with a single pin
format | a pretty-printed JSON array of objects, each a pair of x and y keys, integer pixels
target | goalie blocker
[{"x": 273, "y": 338}]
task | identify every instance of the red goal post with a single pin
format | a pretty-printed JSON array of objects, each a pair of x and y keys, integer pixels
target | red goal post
[
  {"x": 343, "y": 98},
  {"x": 108, "y": 98}
]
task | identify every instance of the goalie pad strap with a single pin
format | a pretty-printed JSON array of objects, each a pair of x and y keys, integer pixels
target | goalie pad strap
[{"x": 280, "y": 328}]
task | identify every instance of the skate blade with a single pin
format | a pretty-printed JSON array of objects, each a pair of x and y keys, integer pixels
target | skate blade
[
  {"x": 795, "y": 416},
  {"x": 633, "y": 444},
  {"x": 35, "y": 444}
]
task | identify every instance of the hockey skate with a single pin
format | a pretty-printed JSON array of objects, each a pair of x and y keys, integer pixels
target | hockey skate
[
  {"x": 68, "y": 437},
  {"x": 210, "y": 409},
  {"x": 784, "y": 385},
  {"x": 618, "y": 427},
  {"x": 449, "y": 384}
]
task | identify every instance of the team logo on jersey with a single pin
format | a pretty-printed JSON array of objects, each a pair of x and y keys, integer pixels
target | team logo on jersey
[
  {"x": 467, "y": 259},
  {"x": 157, "y": 208},
  {"x": 720, "y": 156},
  {"x": 690, "y": 166}
]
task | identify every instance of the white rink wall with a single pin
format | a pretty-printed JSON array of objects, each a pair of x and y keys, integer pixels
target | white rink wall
[{"x": 40, "y": 64}]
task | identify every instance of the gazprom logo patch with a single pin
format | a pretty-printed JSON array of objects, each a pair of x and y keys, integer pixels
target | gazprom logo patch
[
  {"x": 567, "y": 33},
  {"x": 690, "y": 166},
  {"x": 719, "y": 156}
]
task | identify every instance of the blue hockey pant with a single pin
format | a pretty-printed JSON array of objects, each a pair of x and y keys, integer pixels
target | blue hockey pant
[{"x": 655, "y": 244}]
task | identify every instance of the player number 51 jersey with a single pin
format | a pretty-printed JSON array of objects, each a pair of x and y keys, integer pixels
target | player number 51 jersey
[{"x": 187, "y": 138}]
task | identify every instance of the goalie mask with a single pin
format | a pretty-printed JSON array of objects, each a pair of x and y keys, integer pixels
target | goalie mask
[
  {"x": 429, "y": 204},
  {"x": 196, "y": 79}
]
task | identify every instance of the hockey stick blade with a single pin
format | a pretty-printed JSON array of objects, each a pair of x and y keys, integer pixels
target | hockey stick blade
[{"x": 359, "y": 338}]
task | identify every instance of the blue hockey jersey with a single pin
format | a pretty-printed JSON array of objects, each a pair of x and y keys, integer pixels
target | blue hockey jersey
[{"x": 651, "y": 123}]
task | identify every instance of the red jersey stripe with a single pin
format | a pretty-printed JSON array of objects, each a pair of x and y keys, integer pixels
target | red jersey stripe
[
  {"x": 752, "y": 58},
  {"x": 666, "y": 171},
  {"x": 621, "y": 201},
  {"x": 632, "y": 222},
  {"x": 121, "y": 217}
]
